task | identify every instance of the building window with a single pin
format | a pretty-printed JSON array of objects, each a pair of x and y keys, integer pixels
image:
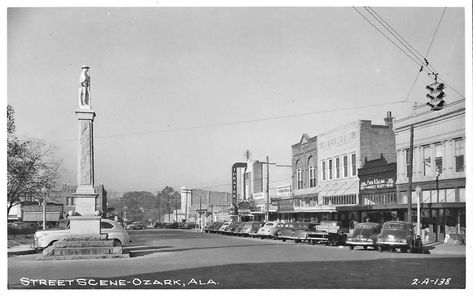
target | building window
[
  {"x": 459, "y": 155},
  {"x": 299, "y": 179},
  {"x": 345, "y": 166},
  {"x": 438, "y": 158},
  {"x": 330, "y": 169},
  {"x": 407, "y": 161},
  {"x": 337, "y": 166},
  {"x": 323, "y": 171},
  {"x": 353, "y": 164},
  {"x": 427, "y": 162},
  {"x": 312, "y": 182}
]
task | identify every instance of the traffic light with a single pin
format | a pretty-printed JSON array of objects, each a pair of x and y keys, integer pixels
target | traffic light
[{"x": 436, "y": 95}]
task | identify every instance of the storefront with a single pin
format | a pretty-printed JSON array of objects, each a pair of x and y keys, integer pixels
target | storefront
[{"x": 377, "y": 193}]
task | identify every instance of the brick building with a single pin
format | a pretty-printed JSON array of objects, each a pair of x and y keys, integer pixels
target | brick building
[{"x": 326, "y": 167}]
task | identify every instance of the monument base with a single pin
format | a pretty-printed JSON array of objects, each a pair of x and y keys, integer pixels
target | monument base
[
  {"x": 85, "y": 225},
  {"x": 83, "y": 247}
]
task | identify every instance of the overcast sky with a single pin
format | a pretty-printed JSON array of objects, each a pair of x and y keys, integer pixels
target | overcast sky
[{"x": 181, "y": 93}]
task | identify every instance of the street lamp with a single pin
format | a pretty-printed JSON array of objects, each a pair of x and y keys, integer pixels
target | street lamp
[
  {"x": 44, "y": 191},
  {"x": 418, "y": 191}
]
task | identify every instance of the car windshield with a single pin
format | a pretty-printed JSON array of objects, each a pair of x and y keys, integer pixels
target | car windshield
[{"x": 396, "y": 226}]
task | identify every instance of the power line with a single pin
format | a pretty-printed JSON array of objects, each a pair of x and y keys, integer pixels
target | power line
[
  {"x": 394, "y": 43},
  {"x": 242, "y": 121},
  {"x": 398, "y": 37},
  {"x": 427, "y": 53}
]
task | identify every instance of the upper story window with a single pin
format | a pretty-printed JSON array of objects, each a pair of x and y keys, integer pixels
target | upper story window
[
  {"x": 337, "y": 167},
  {"x": 353, "y": 164},
  {"x": 459, "y": 155},
  {"x": 330, "y": 169},
  {"x": 407, "y": 154},
  {"x": 299, "y": 179},
  {"x": 438, "y": 158},
  {"x": 345, "y": 166},
  {"x": 312, "y": 179},
  {"x": 324, "y": 171},
  {"x": 312, "y": 171},
  {"x": 426, "y": 151}
]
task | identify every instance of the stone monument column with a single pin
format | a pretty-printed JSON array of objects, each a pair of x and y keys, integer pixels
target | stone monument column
[{"x": 86, "y": 222}]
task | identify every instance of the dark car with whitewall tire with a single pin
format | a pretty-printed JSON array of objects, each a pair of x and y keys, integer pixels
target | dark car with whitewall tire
[
  {"x": 303, "y": 230},
  {"x": 399, "y": 235},
  {"x": 364, "y": 235}
]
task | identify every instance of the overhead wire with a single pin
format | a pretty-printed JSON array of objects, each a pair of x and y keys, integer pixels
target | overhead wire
[
  {"x": 422, "y": 59},
  {"x": 415, "y": 59},
  {"x": 427, "y": 53}
]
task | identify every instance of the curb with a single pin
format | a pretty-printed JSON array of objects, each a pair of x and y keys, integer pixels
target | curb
[{"x": 21, "y": 252}]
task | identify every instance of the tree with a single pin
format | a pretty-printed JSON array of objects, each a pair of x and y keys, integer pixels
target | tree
[
  {"x": 30, "y": 165},
  {"x": 140, "y": 205},
  {"x": 168, "y": 200}
]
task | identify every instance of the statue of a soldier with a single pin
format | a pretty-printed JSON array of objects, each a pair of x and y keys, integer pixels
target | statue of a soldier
[{"x": 84, "y": 91}]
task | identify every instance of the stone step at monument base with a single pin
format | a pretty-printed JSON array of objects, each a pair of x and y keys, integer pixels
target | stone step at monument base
[
  {"x": 84, "y": 257},
  {"x": 83, "y": 247},
  {"x": 86, "y": 251}
]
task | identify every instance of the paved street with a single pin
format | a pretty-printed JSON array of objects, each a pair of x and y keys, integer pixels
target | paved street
[{"x": 167, "y": 258}]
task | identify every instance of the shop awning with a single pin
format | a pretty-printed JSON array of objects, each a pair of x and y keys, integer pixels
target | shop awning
[{"x": 35, "y": 216}]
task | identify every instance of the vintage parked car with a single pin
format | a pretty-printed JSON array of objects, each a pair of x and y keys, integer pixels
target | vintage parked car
[
  {"x": 208, "y": 228},
  {"x": 135, "y": 225},
  {"x": 328, "y": 232},
  {"x": 224, "y": 225},
  {"x": 287, "y": 232},
  {"x": 231, "y": 228},
  {"x": 399, "y": 235},
  {"x": 171, "y": 225},
  {"x": 254, "y": 227},
  {"x": 364, "y": 235},
  {"x": 187, "y": 225},
  {"x": 303, "y": 230},
  {"x": 45, "y": 238},
  {"x": 240, "y": 228},
  {"x": 215, "y": 227},
  {"x": 268, "y": 230}
]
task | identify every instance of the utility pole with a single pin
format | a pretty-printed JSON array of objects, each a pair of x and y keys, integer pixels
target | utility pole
[
  {"x": 410, "y": 157},
  {"x": 267, "y": 189}
]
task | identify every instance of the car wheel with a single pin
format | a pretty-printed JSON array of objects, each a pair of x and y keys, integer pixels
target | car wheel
[
  {"x": 312, "y": 242},
  {"x": 380, "y": 248},
  {"x": 410, "y": 249},
  {"x": 283, "y": 239},
  {"x": 365, "y": 247},
  {"x": 117, "y": 243},
  {"x": 393, "y": 250},
  {"x": 403, "y": 250},
  {"x": 297, "y": 241},
  {"x": 352, "y": 247}
]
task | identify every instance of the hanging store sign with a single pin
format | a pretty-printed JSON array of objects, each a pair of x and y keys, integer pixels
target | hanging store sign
[{"x": 377, "y": 184}]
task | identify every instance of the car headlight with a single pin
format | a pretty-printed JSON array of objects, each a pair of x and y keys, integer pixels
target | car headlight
[{"x": 350, "y": 238}]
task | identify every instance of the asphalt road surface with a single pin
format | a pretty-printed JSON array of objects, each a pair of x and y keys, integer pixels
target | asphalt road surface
[{"x": 183, "y": 259}]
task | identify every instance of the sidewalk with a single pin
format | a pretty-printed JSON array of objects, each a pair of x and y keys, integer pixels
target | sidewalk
[
  {"x": 439, "y": 248},
  {"x": 20, "y": 245}
]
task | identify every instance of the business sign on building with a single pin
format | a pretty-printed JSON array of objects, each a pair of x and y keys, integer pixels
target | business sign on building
[
  {"x": 286, "y": 206},
  {"x": 377, "y": 183},
  {"x": 235, "y": 181}
]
